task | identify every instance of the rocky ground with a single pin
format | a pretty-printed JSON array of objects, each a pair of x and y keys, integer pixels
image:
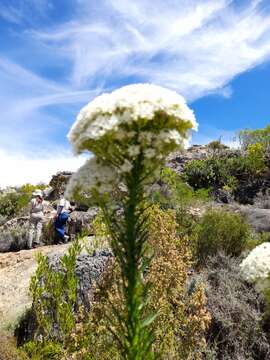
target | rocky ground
[{"x": 16, "y": 269}]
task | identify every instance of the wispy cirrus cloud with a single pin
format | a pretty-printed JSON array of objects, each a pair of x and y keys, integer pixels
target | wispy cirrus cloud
[{"x": 195, "y": 47}]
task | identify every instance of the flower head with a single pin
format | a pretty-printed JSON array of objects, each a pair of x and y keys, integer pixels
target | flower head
[
  {"x": 91, "y": 177},
  {"x": 143, "y": 107},
  {"x": 256, "y": 267}
]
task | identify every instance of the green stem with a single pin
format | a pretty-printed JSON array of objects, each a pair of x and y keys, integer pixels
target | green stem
[
  {"x": 128, "y": 235},
  {"x": 132, "y": 272}
]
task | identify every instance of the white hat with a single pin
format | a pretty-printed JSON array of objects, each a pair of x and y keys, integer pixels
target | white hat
[{"x": 38, "y": 192}]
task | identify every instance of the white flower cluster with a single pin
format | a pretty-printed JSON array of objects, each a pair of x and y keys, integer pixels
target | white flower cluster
[
  {"x": 256, "y": 267},
  {"x": 126, "y": 105},
  {"x": 92, "y": 175},
  {"x": 140, "y": 121}
]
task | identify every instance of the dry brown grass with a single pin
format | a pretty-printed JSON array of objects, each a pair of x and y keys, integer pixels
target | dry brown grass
[{"x": 8, "y": 349}]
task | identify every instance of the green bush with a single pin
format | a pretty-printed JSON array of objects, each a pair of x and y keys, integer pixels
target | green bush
[
  {"x": 217, "y": 172},
  {"x": 180, "y": 194},
  {"x": 216, "y": 145},
  {"x": 54, "y": 295},
  {"x": 206, "y": 173},
  {"x": 220, "y": 230},
  {"x": 250, "y": 137},
  {"x": 11, "y": 203},
  {"x": 250, "y": 166},
  {"x": 49, "y": 350}
]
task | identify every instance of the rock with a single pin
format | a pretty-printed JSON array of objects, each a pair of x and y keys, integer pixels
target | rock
[
  {"x": 89, "y": 270},
  {"x": 196, "y": 213},
  {"x": 259, "y": 219},
  {"x": 178, "y": 160},
  {"x": 58, "y": 184},
  {"x": 81, "y": 222},
  {"x": 222, "y": 196},
  {"x": 262, "y": 199}
]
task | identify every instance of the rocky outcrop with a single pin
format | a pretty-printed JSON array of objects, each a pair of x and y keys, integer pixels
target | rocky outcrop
[
  {"x": 89, "y": 270},
  {"x": 81, "y": 222},
  {"x": 177, "y": 160},
  {"x": 58, "y": 184},
  {"x": 259, "y": 219}
]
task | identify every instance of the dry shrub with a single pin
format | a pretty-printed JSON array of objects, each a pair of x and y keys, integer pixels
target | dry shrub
[
  {"x": 182, "y": 320},
  {"x": 48, "y": 232},
  {"x": 8, "y": 349},
  {"x": 237, "y": 311}
]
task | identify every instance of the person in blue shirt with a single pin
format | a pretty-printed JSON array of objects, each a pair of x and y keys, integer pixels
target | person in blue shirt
[{"x": 64, "y": 209}]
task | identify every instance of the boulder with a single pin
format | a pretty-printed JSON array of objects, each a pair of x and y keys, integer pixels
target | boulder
[
  {"x": 89, "y": 270},
  {"x": 81, "y": 222},
  {"x": 58, "y": 184},
  {"x": 178, "y": 160},
  {"x": 259, "y": 219}
]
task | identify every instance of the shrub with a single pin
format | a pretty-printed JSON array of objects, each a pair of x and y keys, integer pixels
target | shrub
[
  {"x": 181, "y": 320},
  {"x": 236, "y": 331},
  {"x": 206, "y": 173},
  {"x": 251, "y": 137},
  {"x": 220, "y": 230},
  {"x": 179, "y": 194},
  {"x": 224, "y": 171},
  {"x": 11, "y": 203},
  {"x": 49, "y": 350},
  {"x": 217, "y": 145},
  {"x": 48, "y": 232},
  {"x": 15, "y": 238},
  {"x": 54, "y": 299}
]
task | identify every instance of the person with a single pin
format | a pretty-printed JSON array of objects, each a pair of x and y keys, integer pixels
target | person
[
  {"x": 61, "y": 218},
  {"x": 36, "y": 219}
]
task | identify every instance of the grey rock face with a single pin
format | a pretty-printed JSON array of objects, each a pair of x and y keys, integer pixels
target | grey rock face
[
  {"x": 81, "y": 221},
  {"x": 259, "y": 219},
  {"x": 178, "y": 160},
  {"x": 262, "y": 200},
  {"x": 89, "y": 270},
  {"x": 58, "y": 184}
]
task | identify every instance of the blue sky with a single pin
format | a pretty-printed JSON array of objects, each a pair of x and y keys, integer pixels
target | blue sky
[{"x": 55, "y": 56}]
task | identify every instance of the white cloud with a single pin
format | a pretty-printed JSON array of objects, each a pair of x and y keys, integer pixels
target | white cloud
[
  {"x": 195, "y": 47},
  {"x": 18, "y": 169}
]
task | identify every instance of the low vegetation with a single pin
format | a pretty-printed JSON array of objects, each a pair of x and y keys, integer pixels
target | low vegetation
[
  {"x": 198, "y": 306},
  {"x": 14, "y": 200},
  {"x": 220, "y": 230}
]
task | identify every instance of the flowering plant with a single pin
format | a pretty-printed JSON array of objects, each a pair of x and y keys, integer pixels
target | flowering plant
[
  {"x": 255, "y": 268},
  {"x": 130, "y": 132}
]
